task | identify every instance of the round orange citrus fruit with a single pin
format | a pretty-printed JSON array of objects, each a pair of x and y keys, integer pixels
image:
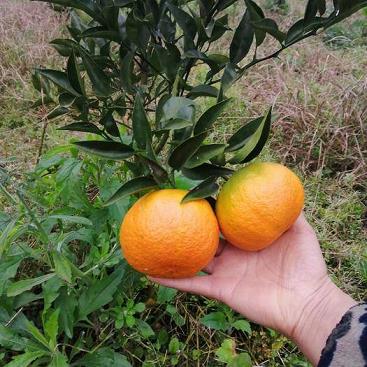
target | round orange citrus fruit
[
  {"x": 259, "y": 203},
  {"x": 162, "y": 237}
]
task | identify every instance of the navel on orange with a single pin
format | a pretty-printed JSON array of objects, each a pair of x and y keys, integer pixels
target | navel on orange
[
  {"x": 164, "y": 238},
  {"x": 259, "y": 203}
]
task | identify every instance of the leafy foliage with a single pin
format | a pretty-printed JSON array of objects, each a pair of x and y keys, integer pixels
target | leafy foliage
[{"x": 127, "y": 80}]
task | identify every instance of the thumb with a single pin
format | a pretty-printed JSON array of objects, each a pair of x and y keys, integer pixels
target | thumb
[{"x": 201, "y": 285}]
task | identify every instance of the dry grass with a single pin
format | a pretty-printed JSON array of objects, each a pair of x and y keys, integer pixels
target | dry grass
[{"x": 25, "y": 30}]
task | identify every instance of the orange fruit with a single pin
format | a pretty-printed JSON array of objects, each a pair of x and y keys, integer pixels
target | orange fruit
[
  {"x": 259, "y": 203},
  {"x": 163, "y": 238}
]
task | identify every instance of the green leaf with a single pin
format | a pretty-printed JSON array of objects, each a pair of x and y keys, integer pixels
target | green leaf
[
  {"x": 67, "y": 302},
  {"x": 205, "y": 189},
  {"x": 37, "y": 335},
  {"x": 206, "y": 170},
  {"x": 132, "y": 187},
  {"x": 270, "y": 26},
  {"x": 88, "y": 6},
  {"x": 64, "y": 47},
  {"x": 241, "y": 360},
  {"x": 176, "y": 317},
  {"x": 242, "y": 325},
  {"x": 178, "y": 109},
  {"x": 51, "y": 328},
  {"x": 8, "y": 268},
  {"x": 5, "y": 236},
  {"x": 110, "y": 124},
  {"x": 174, "y": 345},
  {"x": 51, "y": 291},
  {"x": 242, "y": 39},
  {"x": 100, "y": 293},
  {"x": 141, "y": 127},
  {"x": 56, "y": 112},
  {"x": 204, "y": 154},
  {"x": 230, "y": 75},
  {"x": 165, "y": 294},
  {"x": 59, "y": 360},
  {"x": 203, "y": 90},
  {"x": 86, "y": 127},
  {"x": 240, "y": 137},
  {"x": 255, "y": 142},
  {"x": 144, "y": 328},
  {"x": 208, "y": 118},
  {"x": 73, "y": 72},
  {"x": 100, "y": 81},
  {"x": 11, "y": 340},
  {"x": 60, "y": 79},
  {"x": 106, "y": 149},
  {"x": 295, "y": 33},
  {"x": 183, "y": 152},
  {"x": 216, "y": 321},
  {"x": 25, "y": 359},
  {"x": 62, "y": 266},
  {"x": 186, "y": 22},
  {"x": 72, "y": 219},
  {"x": 227, "y": 351},
  {"x": 27, "y": 284},
  {"x": 103, "y": 357}
]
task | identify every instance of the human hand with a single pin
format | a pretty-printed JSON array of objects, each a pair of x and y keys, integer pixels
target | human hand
[{"x": 285, "y": 287}]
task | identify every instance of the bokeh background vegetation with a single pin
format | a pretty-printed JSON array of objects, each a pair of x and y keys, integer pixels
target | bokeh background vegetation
[{"x": 320, "y": 89}]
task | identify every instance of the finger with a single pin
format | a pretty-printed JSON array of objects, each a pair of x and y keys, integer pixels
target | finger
[
  {"x": 198, "y": 285},
  {"x": 221, "y": 246},
  {"x": 209, "y": 269}
]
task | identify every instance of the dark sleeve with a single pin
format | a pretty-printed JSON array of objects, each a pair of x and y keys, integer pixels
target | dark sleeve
[{"x": 347, "y": 344}]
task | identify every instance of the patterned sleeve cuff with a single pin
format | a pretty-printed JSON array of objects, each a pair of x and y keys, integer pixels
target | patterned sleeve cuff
[{"x": 347, "y": 344}]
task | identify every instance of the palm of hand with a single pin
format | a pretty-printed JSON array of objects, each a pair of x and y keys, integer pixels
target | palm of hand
[{"x": 270, "y": 287}]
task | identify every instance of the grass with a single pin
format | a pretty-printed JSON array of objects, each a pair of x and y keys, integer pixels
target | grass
[{"x": 320, "y": 131}]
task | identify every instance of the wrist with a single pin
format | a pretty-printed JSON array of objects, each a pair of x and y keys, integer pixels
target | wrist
[{"x": 322, "y": 311}]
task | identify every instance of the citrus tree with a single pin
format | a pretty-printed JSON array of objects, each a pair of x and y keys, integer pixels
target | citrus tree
[{"x": 128, "y": 79}]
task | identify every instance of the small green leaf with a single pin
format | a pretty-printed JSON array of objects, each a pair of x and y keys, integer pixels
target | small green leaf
[
  {"x": 227, "y": 351},
  {"x": 241, "y": 360},
  {"x": 239, "y": 138},
  {"x": 60, "y": 79},
  {"x": 73, "y": 72},
  {"x": 178, "y": 108},
  {"x": 144, "y": 328},
  {"x": 270, "y": 26},
  {"x": 100, "y": 81},
  {"x": 67, "y": 302},
  {"x": 216, "y": 321},
  {"x": 37, "y": 335},
  {"x": 183, "y": 152},
  {"x": 174, "y": 345},
  {"x": 242, "y": 39},
  {"x": 141, "y": 126},
  {"x": 165, "y": 294},
  {"x": 110, "y": 124},
  {"x": 204, "y": 154},
  {"x": 56, "y": 112},
  {"x": 106, "y": 149},
  {"x": 208, "y": 118},
  {"x": 62, "y": 266},
  {"x": 206, "y": 188},
  {"x": 100, "y": 292},
  {"x": 86, "y": 127},
  {"x": 203, "y": 91},
  {"x": 27, "y": 284},
  {"x": 11, "y": 340},
  {"x": 25, "y": 359},
  {"x": 132, "y": 187},
  {"x": 254, "y": 143},
  {"x": 59, "y": 360},
  {"x": 103, "y": 357},
  {"x": 242, "y": 325},
  {"x": 51, "y": 328},
  {"x": 206, "y": 170}
]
